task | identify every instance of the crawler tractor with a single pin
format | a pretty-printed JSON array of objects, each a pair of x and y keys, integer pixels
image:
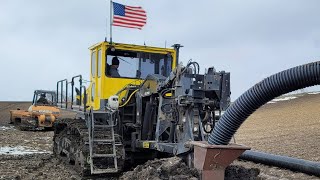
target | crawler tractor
[
  {"x": 154, "y": 109},
  {"x": 40, "y": 115}
]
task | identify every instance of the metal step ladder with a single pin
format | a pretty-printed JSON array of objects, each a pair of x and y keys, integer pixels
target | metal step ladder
[{"x": 94, "y": 141}]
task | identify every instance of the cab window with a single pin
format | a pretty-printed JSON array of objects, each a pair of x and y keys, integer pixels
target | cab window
[
  {"x": 92, "y": 92},
  {"x": 93, "y": 64},
  {"x": 99, "y": 63},
  {"x": 138, "y": 64},
  {"x": 45, "y": 98}
]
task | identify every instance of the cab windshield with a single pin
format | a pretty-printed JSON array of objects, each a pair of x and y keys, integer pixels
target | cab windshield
[
  {"x": 137, "y": 64},
  {"x": 44, "y": 98}
]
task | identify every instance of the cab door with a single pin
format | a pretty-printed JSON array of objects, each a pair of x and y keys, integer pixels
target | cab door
[
  {"x": 93, "y": 79},
  {"x": 99, "y": 78},
  {"x": 96, "y": 77}
]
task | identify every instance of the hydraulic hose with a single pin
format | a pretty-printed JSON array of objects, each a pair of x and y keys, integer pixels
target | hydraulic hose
[
  {"x": 293, "y": 164},
  {"x": 122, "y": 105},
  {"x": 262, "y": 92}
]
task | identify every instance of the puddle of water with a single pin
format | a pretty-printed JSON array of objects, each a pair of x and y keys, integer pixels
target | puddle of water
[{"x": 20, "y": 150}]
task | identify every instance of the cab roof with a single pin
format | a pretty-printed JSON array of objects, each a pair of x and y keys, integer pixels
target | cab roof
[
  {"x": 132, "y": 46},
  {"x": 44, "y": 91}
]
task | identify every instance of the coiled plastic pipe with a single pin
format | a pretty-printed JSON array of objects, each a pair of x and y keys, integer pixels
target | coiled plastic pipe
[
  {"x": 262, "y": 92},
  {"x": 293, "y": 164}
]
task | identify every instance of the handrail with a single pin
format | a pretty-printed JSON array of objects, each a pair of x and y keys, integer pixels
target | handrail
[
  {"x": 81, "y": 89},
  {"x": 84, "y": 97},
  {"x": 72, "y": 89},
  {"x": 61, "y": 95}
]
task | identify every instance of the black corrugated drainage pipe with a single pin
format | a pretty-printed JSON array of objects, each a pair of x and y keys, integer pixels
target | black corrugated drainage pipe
[
  {"x": 293, "y": 164},
  {"x": 264, "y": 91}
]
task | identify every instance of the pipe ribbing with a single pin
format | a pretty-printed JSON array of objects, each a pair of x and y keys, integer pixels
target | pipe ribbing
[
  {"x": 293, "y": 164},
  {"x": 262, "y": 92}
]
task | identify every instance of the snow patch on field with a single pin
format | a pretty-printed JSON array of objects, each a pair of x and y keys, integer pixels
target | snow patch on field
[
  {"x": 314, "y": 92},
  {"x": 282, "y": 99},
  {"x": 20, "y": 150},
  {"x": 271, "y": 102},
  {"x": 290, "y": 97},
  {"x": 4, "y": 128}
]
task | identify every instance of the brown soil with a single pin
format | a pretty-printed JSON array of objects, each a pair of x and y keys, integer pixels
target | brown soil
[
  {"x": 289, "y": 128},
  {"x": 5, "y": 107},
  {"x": 175, "y": 169},
  {"x": 286, "y": 128},
  {"x": 34, "y": 166},
  {"x": 169, "y": 168}
]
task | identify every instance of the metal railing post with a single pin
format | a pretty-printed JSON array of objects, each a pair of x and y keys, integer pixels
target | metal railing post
[
  {"x": 72, "y": 89},
  {"x": 61, "y": 88}
]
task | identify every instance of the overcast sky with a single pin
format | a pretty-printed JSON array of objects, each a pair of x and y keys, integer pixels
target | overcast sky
[{"x": 42, "y": 42}]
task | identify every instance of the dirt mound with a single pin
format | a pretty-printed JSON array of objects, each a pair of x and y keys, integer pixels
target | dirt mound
[
  {"x": 169, "y": 168},
  {"x": 34, "y": 166},
  {"x": 235, "y": 172},
  {"x": 175, "y": 169}
]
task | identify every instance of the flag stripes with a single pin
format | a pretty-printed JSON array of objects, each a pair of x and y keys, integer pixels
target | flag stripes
[{"x": 128, "y": 16}]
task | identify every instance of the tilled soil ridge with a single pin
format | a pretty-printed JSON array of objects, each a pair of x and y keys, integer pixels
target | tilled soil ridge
[{"x": 174, "y": 168}]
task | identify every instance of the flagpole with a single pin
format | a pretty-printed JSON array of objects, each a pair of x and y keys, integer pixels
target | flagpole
[
  {"x": 111, "y": 20},
  {"x": 106, "y": 38}
]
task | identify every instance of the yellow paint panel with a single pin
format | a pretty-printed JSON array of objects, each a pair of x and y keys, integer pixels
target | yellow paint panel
[
  {"x": 104, "y": 86},
  {"x": 146, "y": 145}
]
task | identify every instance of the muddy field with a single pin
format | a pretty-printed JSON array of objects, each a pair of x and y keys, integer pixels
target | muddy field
[{"x": 288, "y": 127}]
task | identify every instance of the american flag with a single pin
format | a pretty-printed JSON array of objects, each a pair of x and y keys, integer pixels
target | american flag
[{"x": 128, "y": 16}]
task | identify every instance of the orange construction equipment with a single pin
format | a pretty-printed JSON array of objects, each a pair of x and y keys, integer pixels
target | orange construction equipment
[{"x": 40, "y": 115}]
